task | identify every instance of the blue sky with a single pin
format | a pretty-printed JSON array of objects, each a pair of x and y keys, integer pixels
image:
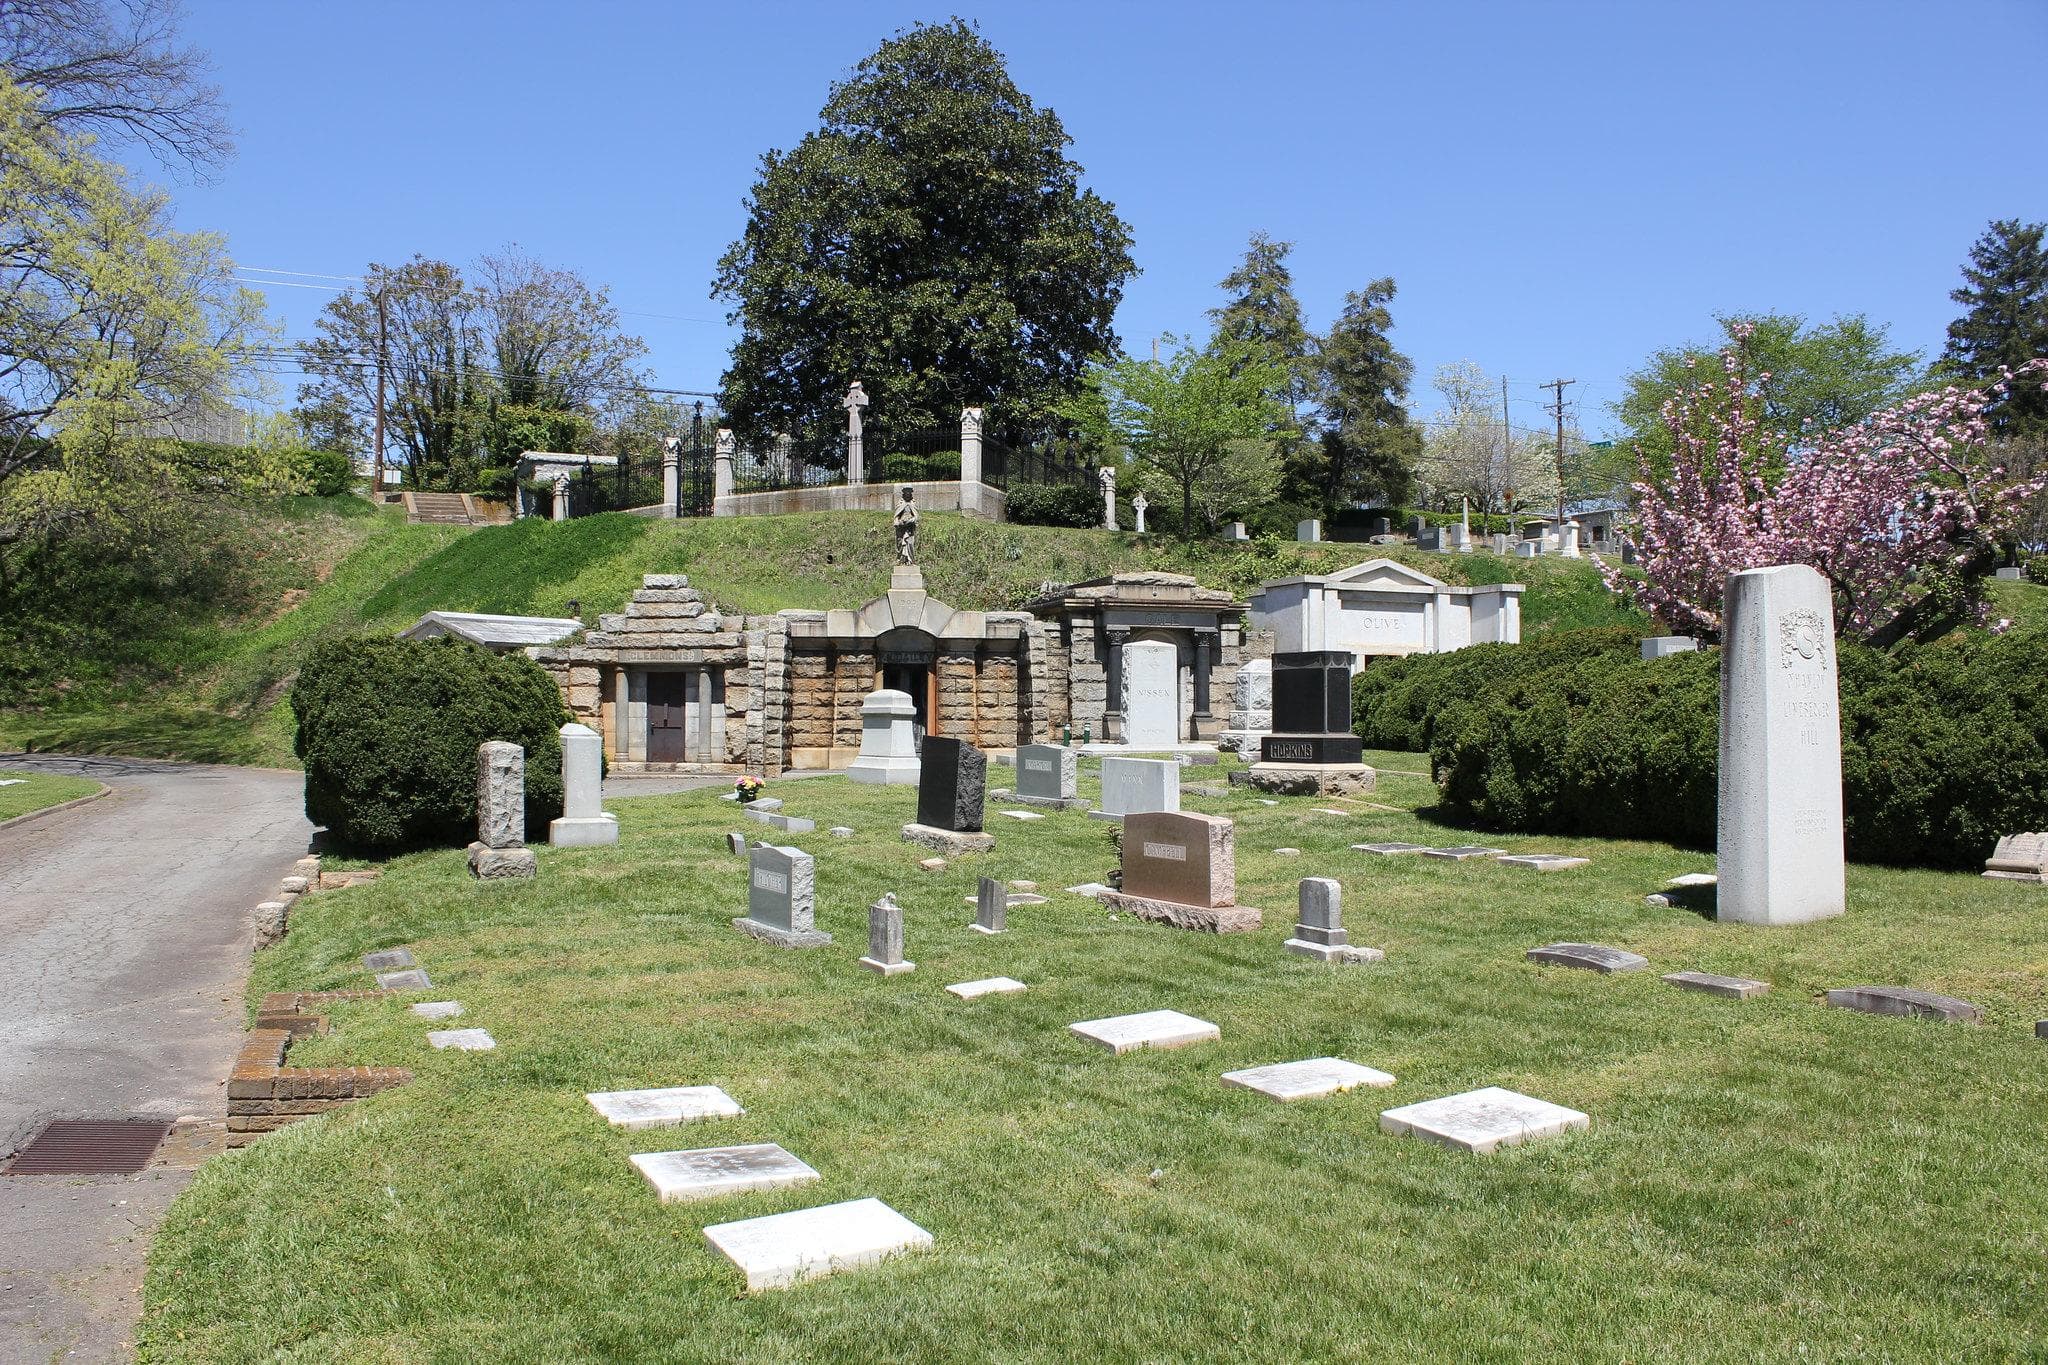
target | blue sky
[{"x": 1557, "y": 189}]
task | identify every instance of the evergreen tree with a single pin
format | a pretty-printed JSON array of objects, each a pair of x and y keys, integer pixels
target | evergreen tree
[
  {"x": 1262, "y": 321},
  {"x": 1368, "y": 448},
  {"x": 2005, "y": 322},
  {"x": 931, "y": 239}
]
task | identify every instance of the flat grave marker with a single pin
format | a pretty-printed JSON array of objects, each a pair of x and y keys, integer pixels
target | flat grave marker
[
  {"x": 994, "y": 985},
  {"x": 1541, "y": 862},
  {"x": 665, "y": 1107},
  {"x": 1308, "y": 1080},
  {"x": 1727, "y": 987},
  {"x": 390, "y": 959},
  {"x": 709, "y": 1172},
  {"x": 1482, "y": 1121},
  {"x": 411, "y": 979},
  {"x": 783, "y": 1248},
  {"x": 1159, "y": 1029},
  {"x": 1907, "y": 1002},
  {"x": 1390, "y": 850},
  {"x": 438, "y": 1009},
  {"x": 1460, "y": 852},
  {"x": 1596, "y": 957},
  {"x": 462, "y": 1039}
]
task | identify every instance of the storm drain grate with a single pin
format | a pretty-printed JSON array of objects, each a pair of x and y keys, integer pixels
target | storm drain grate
[{"x": 90, "y": 1147}]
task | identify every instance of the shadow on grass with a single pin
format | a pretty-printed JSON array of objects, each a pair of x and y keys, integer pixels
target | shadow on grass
[{"x": 189, "y": 733}]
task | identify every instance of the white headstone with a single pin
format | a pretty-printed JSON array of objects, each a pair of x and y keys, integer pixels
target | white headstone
[
  {"x": 888, "y": 742},
  {"x": 1151, "y": 701},
  {"x": 1780, "y": 824},
  {"x": 584, "y": 822},
  {"x": 1153, "y": 1029},
  {"x": 1134, "y": 785}
]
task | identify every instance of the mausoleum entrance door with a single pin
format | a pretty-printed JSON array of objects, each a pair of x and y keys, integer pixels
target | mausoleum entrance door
[
  {"x": 906, "y": 656},
  {"x": 667, "y": 707}
]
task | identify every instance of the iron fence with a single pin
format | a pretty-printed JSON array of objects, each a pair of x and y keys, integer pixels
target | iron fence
[
  {"x": 1044, "y": 460},
  {"x": 786, "y": 462}
]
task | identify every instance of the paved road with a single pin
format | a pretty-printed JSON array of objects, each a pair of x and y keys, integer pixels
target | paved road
[{"x": 124, "y": 949}]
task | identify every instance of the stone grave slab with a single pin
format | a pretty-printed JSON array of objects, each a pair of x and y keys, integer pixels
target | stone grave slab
[
  {"x": 438, "y": 1009},
  {"x": 389, "y": 960},
  {"x": 1390, "y": 850},
  {"x": 1309, "y": 1080},
  {"x": 1330, "y": 810},
  {"x": 994, "y": 985},
  {"x": 1024, "y": 814},
  {"x": 783, "y": 1248},
  {"x": 1906, "y": 1001},
  {"x": 1727, "y": 987},
  {"x": 665, "y": 1107},
  {"x": 1541, "y": 862},
  {"x": 763, "y": 803},
  {"x": 462, "y": 1039},
  {"x": 2019, "y": 858},
  {"x": 411, "y": 979},
  {"x": 709, "y": 1172},
  {"x": 1133, "y": 785},
  {"x": 1483, "y": 1120},
  {"x": 1092, "y": 890},
  {"x": 1153, "y": 1029},
  {"x": 1460, "y": 852},
  {"x": 788, "y": 824},
  {"x": 951, "y": 843},
  {"x": 1287, "y": 853},
  {"x": 781, "y": 886},
  {"x": 1694, "y": 879},
  {"x": 1596, "y": 957},
  {"x": 2041, "y": 1028},
  {"x": 840, "y": 832}
]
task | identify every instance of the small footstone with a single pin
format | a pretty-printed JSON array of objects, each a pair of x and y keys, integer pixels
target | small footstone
[
  {"x": 2041, "y": 1028},
  {"x": 1288, "y": 852},
  {"x": 1309, "y": 1080},
  {"x": 1328, "y": 810},
  {"x": 1154, "y": 1029},
  {"x": 438, "y": 1009},
  {"x": 994, "y": 985},
  {"x": 1906, "y": 1001},
  {"x": 1542, "y": 862},
  {"x": 779, "y": 1250},
  {"x": 932, "y": 864},
  {"x": 664, "y": 1108},
  {"x": 501, "y": 864},
  {"x": 1694, "y": 879},
  {"x": 1463, "y": 851},
  {"x": 736, "y": 843},
  {"x": 1482, "y": 1120},
  {"x": 1091, "y": 890},
  {"x": 840, "y": 832},
  {"x": 1389, "y": 850},
  {"x": 1727, "y": 987},
  {"x": 391, "y": 959},
  {"x": 1593, "y": 956},
  {"x": 708, "y": 1172},
  {"x": 412, "y": 979},
  {"x": 1267, "y": 801},
  {"x": 1023, "y": 814},
  {"x": 763, "y": 803},
  {"x": 463, "y": 1039}
]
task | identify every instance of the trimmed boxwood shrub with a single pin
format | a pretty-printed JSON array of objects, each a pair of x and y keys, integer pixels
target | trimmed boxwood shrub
[
  {"x": 389, "y": 729},
  {"x": 1944, "y": 747},
  {"x": 1394, "y": 700},
  {"x": 1053, "y": 504},
  {"x": 327, "y": 472}
]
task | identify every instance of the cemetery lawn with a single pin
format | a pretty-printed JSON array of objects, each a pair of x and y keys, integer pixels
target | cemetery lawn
[
  {"x": 1770, "y": 1179},
  {"x": 28, "y": 791}
]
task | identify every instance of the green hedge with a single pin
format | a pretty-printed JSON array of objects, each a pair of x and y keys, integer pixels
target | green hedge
[
  {"x": 327, "y": 472},
  {"x": 939, "y": 467},
  {"x": 388, "y": 731},
  {"x": 1944, "y": 747},
  {"x": 1052, "y": 504},
  {"x": 1394, "y": 700}
]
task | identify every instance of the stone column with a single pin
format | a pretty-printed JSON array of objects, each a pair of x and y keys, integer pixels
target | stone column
[
  {"x": 671, "y": 474},
  {"x": 1568, "y": 540},
  {"x": 856, "y": 457},
  {"x": 721, "y": 464},
  {"x": 1780, "y": 818},
  {"x": 1113, "y": 673},
  {"x": 1205, "y": 646},
  {"x": 584, "y": 823},
  {"x": 1107, "y": 477},
  {"x": 970, "y": 459},
  {"x": 561, "y": 511}
]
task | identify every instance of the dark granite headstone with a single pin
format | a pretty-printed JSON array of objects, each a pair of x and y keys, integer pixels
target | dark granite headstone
[
  {"x": 1311, "y": 710},
  {"x": 951, "y": 785}
]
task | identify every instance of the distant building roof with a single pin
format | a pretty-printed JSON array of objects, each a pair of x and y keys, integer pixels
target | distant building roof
[{"x": 492, "y": 632}]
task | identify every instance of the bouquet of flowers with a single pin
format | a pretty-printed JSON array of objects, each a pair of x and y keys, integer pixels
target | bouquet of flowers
[{"x": 749, "y": 788}]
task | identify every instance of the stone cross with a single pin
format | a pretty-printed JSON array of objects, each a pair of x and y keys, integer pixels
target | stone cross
[
  {"x": 1779, "y": 838},
  {"x": 1106, "y": 476},
  {"x": 1138, "y": 505},
  {"x": 856, "y": 458},
  {"x": 885, "y": 938}
]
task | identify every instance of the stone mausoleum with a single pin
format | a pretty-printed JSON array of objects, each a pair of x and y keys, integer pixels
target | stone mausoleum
[
  {"x": 671, "y": 684},
  {"x": 1382, "y": 607}
]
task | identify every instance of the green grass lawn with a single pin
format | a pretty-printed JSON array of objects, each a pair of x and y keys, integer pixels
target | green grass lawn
[
  {"x": 1770, "y": 1179},
  {"x": 28, "y": 791}
]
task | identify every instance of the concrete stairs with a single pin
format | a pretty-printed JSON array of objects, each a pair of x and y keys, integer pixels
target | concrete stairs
[{"x": 445, "y": 509}]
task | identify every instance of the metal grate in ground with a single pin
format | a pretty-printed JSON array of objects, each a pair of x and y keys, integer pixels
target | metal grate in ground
[{"x": 90, "y": 1147}]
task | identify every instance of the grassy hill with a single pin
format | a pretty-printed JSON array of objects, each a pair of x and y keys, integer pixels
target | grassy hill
[{"x": 174, "y": 675}]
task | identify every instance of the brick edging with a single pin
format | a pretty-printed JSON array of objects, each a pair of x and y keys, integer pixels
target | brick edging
[{"x": 264, "y": 1094}]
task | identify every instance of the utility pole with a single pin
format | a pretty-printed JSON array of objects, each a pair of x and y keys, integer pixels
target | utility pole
[
  {"x": 377, "y": 476},
  {"x": 1507, "y": 449},
  {"x": 1557, "y": 411}
]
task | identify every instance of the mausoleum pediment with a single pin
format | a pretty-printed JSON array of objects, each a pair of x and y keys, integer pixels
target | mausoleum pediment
[{"x": 1385, "y": 573}]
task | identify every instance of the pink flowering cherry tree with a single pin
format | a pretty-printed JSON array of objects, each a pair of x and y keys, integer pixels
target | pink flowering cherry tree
[{"x": 1902, "y": 512}]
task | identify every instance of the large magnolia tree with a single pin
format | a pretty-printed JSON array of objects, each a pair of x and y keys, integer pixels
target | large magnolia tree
[{"x": 1901, "y": 511}]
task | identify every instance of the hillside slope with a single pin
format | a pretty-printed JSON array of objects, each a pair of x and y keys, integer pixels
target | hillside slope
[{"x": 217, "y": 693}]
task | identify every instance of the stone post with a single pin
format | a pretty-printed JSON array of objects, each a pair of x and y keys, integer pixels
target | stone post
[
  {"x": 1205, "y": 646},
  {"x": 1107, "y": 477},
  {"x": 856, "y": 456},
  {"x": 1568, "y": 540},
  {"x": 991, "y": 907},
  {"x": 561, "y": 512},
  {"x": 500, "y": 850},
  {"x": 1780, "y": 820},
  {"x": 671, "y": 474},
  {"x": 721, "y": 464},
  {"x": 584, "y": 823},
  {"x": 970, "y": 459},
  {"x": 1138, "y": 505}
]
